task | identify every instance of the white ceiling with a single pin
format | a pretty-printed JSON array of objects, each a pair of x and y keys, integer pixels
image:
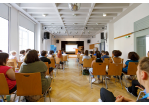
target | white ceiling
[{"x": 59, "y": 15}]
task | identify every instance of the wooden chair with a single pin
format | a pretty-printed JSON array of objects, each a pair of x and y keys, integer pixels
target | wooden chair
[
  {"x": 142, "y": 90},
  {"x": 47, "y": 64},
  {"x": 115, "y": 69},
  {"x": 93, "y": 58},
  {"x": 13, "y": 60},
  {"x": 118, "y": 60},
  {"x": 53, "y": 66},
  {"x": 11, "y": 64},
  {"x": 19, "y": 64},
  {"x": 29, "y": 84},
  {"x": 57, "y": 63},
  {"x": 86, "y": 64},
  {"x": 98, "y": 69},
  {"x": 64, "y": 60},
  {"x": 107, "y": 61},
  {"x": 4, "y": 89},
  {"x": 132, "y": 68}
]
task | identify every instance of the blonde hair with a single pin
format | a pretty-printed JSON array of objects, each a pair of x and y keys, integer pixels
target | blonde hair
[
  {"x": 11, "y": 52},
  {"x": 144, "y": 64}
]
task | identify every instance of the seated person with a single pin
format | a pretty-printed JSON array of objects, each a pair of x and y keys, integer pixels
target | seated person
[
  {"x": 98, "y": 55},
  {"x": 143, "y": 79},
  {"x": 134, "y": 57},
  {"x": 79, "y": 52},
  {"x": 8, "y": 72},
  {"x": 13, "y": 55},
  {"x": 45, "y": 59},
  {"x": 116, "y": 56},
  {"x": 95, "y": 53},
  {"x": 86, "y": 56},
  {"x": 32, "y": 64},
  {"x": 51, "y": 54},
  {"x": 59, "y": 55},
  {"x": 91, "y": 54},
  {"x": 104, "y": 55},
  {"x": 82, "y": 53},
  {"x": 64, "y": 53},
  {"x": 107, "y": 53},
  {"x": 23, "y": 55},
  {"x": 102, "y": 52}
]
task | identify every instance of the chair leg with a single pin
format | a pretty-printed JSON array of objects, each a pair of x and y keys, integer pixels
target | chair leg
[
  {"x": 19, "y": 98},
  {"x": 91, "y": 83},
  {"x": 125, "y": 80},
  {"x": 3, "y": 98},
  {"x": 139, "y": 94},
  {"x": 49, "y": 96},
  {"x": 89, "y": 78},
  {"x": 121, "y": 81},
  {"x": 14, "y": 97},
  {"x": 106, "y": 82}
]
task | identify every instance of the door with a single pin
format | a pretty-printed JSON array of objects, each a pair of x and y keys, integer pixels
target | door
[{"x": 141, "y": 46}]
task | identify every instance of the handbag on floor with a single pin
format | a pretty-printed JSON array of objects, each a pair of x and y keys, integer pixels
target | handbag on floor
[{"x": 85, "y": 72}]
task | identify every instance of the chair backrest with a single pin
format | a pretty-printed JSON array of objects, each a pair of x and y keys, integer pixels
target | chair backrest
[
  {"x": 28, "y": 84},
  {"x": 115, "y": 69},
  {"x": 11, "y": 64},
  {"x": 47, "y": 64},
  {"x": 93, "y": 58},
  {"x": 117, "y": 60},
  {"x": 4, "y": 89},
  {"x": 80, "y": 60},
  {"x": 52, "y": 63},
  {"x": 64, "y": 57},
  {"x": 78, "y": 55},
  {"x": 58, "y": 60},
  {"x": 107, "y": 61},
  {"x": 87, "y": 62},
  {"x": 19, "y": 64},
  {"x": 132, "y": 68},
  {"x": 99, "y": 68},
  {"x": 13, "y": 60}
]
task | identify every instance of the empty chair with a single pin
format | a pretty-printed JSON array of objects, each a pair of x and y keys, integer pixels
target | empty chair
[
  {"x": 4, "y": 89},
  {"x": 29, "y": 84}
]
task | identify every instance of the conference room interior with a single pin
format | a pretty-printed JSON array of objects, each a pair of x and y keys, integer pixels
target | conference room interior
[{"x": 73, "y": 28}]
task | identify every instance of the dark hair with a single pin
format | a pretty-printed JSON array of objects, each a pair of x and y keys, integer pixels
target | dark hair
[
  {"x": 22, "y": 51},
  {"x": 133, "y": 56},
  {"x": 91, "y": 52},
  {"x": 79, "y": 51},
  {"x": 27, "y": 50},
  {"x": 3, "y": 57},
  {"x": 107, "y": 53},
  {"x": 86, "y": 52},
  {"x": 51, "y": 52},
  {"x": 113, "y": 51},
  {"x": 37, "y": 51},
  {"x": 43, "y": 53},
  {"x": 144, "y": 64},
  {"x": 31, "y": 56},
  {"x": 117, "y": 53},
  {"x": 103, "y": 52},
  {"x": 96, "y": 52},
  {"x": 1, "y": 51},
  {"x": 98, "y": 55},
  {"x": 82, "y": 52}
]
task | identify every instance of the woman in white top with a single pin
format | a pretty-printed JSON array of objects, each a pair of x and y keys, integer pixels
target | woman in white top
[
  {"x": 51, "y": 54},
  {"x": 13, "y": 55},
  {"x": 86, "y": 55},
  {"x": 23, "y": 55}
]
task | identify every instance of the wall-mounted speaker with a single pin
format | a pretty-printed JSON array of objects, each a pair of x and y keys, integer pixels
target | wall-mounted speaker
[
  {"x": 57, "y": 41},
  {"x": 88, "y": 41},
  {"x": 102, "y": 35},
  {"x": 46, "y": 35}
]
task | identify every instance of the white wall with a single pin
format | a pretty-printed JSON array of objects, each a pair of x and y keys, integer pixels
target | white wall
[
  {"x": 147, "y": 44},
  {"x": 47, "y": 42},
  {"x": 86, "y": 45},
  {"x": 126, "y": 25}
]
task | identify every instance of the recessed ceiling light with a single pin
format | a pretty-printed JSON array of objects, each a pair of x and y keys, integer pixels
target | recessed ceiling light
[
  {"x": 44, "y": 15},
  {"x": 104, "y": 14}
]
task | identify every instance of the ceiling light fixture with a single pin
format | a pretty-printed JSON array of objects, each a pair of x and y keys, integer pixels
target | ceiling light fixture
[
  {"x": 74, "y": 6},
  {"x": 44, "y": 15},
  {"x": 104, "y": 14}
]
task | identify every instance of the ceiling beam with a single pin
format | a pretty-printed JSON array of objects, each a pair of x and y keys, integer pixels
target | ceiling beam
[{"x": 111, "y": 5}]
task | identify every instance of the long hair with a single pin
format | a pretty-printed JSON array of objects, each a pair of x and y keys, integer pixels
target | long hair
[
  {"x": 59, "y": 54},
  {"x": 3, "y": 58}
]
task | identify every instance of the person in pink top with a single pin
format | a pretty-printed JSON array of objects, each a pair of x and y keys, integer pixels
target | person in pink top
[{"x": 8, "y": 72}]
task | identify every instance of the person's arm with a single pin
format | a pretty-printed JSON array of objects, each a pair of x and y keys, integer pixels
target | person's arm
[
  {"x": 11, "y": 74},
  {"x": 126, "y": 64},
  {"x": 121, "y": 98},
  {"x": 92, "y": 63}
]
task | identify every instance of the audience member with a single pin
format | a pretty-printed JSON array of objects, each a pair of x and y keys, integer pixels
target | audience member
[
  {"x": 116, "y": 56},
  {"x": 82, "y": 53},
  {"x": 143, "y": 78},
  {"x": 22, "y": 52},
  {"x": 51, "y": 54},
  {"x": 59, "y": 55},
  {"x": 95, "y": 53},
  {"x": 91, "y": 54},
  {"x": 8, "y": 72},
  {"x": 32, "y": 64},
  {"x": 98, "y": 59},
  {"x": 13, "y": 55},
  {"x": 27, "y": 50},
  {"x": 79, "y": 52},
  {"x": 1, "y": 51},
  {"x": 86, "y": 55},
  {"x": 104, "y": 55},
  {"x": 107, "y": 53},
  {"x": 102, "y": 52}
]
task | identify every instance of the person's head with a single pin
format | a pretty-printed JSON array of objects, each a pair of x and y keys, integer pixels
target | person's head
[
  {"x": 37, "y": 51},
  {"x": 91, "y": 52},
  {"x": 27, "y": 50},
  {"x": 107, "y": 53},
  {"x": 64, "y": 52},
  {"x": 86, "y": 52},
  {"x": 96, "y": 52},
  {"x": 117, "y": 53},
  {"x": 143, "y": 71},
  {"x": 3, "y": 58},
  {"x": 82, "y": 52},
  {"x": 103, "y": 53},
  {"x": 51, "y": 52},
  {"x": 43, "y": 53},
  {"x": 1, "y": 51},
  {"x": 98, "y": 55},
  {"x": 31, "y": 56},
  {"x": 113, "y": 53},
  {"x": 148, "y": 54},
  {"x": 22, "y": 52},
  {"x": 13, "y": 53},
  {"x": 133, "y": 56}
]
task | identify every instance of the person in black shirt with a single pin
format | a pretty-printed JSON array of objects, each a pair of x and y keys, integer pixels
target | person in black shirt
[
  {"x": 143, "y": 78},
  {"x": 44, "y": 58}
]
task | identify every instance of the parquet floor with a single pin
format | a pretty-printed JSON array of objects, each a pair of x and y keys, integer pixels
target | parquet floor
[{"x": 70, "y": 86}]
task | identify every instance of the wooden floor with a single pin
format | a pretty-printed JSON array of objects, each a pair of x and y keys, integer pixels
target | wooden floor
[{"x": 70, "y": 86}]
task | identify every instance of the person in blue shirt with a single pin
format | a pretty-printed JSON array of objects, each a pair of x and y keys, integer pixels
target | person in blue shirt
[
  {"x": 104, "y": 55},
  {"x": 134, "y": 57}
]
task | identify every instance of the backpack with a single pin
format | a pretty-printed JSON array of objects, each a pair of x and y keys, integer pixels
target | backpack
[{"x": 85, "y": 72}]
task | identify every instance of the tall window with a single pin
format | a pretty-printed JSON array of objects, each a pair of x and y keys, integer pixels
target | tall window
[
  {"x": 26, "y": 39},
  {"x": 4, "y": 35}
]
